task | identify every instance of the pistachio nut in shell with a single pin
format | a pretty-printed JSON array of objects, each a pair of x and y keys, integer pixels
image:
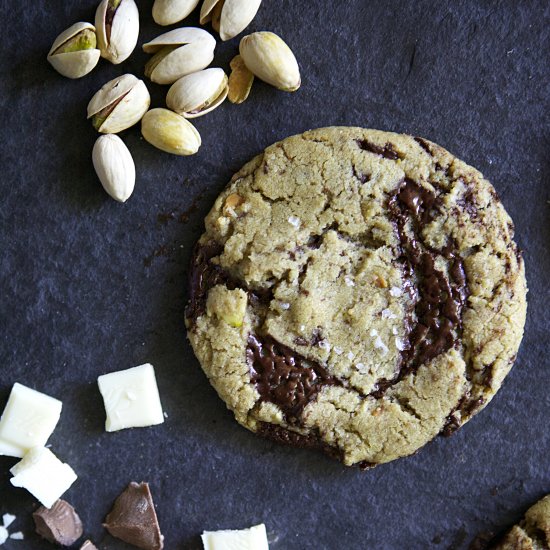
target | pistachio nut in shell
[
  {"x": 114, "y": 166},
  {"x": 168, "y": 12},
  {"x": 198, "y": 93},
  {"x": 119, "y": 104},
  {"x": 74, "y": 53},
  {"x": 270, "y": 59},
  {"x": 234, "y": 15},
  {"x": 170, "y": 132},
  {"x": 178, "y": 53},
  {"x": 240, "y": 81},
  {"x": 117, "y": 24}
]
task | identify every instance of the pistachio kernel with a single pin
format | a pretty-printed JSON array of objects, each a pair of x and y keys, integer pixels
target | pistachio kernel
[{"x": 84, "y": 40}]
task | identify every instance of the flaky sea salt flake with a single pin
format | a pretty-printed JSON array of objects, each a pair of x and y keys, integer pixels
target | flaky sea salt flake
[
  {"x": 294, "y": 221},
  {"x": 379, "y": 344},
  {"x": 349, "y": 281}
]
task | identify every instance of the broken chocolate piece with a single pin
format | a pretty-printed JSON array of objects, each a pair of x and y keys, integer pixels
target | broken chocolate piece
[
  {"x": 60, "y": 524},
  {"x": 133, "y": 518}
]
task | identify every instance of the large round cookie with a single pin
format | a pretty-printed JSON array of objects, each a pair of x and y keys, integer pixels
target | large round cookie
[{"x": 358, "y": 292}]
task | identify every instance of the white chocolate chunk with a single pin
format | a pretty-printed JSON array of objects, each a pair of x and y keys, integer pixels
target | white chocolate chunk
[
  {"x": 254, "y": 538},
  {"x": 3, "y": 535},
  {"x": 8, "y": 519},
  {"x": 131, "y": 398},
  {"x": 17, "y": 536},
  {"x": 28, "y": 420},
  {"x": 43, "y": 475}
]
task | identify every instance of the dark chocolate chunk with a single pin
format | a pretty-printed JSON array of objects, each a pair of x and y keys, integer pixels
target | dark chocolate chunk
[
  {"x": 203, "y": 275},
  {"x": 424, "y": 144},
  {"x": 283, "y": 436},
  {"x": 133, "y": 518},
  {"x": 362, "y": 177},
  {"x": 469, "y": 205},
  {"x": 387, "y": 151},
  {"x": 285, "y": 377},
  {"x": 60, "y": 524}
]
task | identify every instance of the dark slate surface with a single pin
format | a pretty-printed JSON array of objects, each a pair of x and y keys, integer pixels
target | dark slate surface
[{"x": 90, "y": 286}]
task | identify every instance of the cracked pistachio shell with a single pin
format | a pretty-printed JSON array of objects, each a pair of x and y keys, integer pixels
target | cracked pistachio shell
[
  {"x": 170, "y": 132},
  {"x": 82, "y": 56},
  {"x": 168, "y": 12},
  {"x": 119, "y": 104},
  {"x": 269, "y": 58},
  {"x": 235, "y": 15},
  {"x": 240, "y": 81},
  {"x": 199, "y": 93},
  {"x": 178, "y": 53},
  {"x": 114, "y": 166},
  {"x": 117, "y": 24}
]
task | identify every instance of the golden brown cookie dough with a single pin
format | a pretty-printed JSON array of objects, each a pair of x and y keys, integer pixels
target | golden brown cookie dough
[{"x": 356, "y": 291}]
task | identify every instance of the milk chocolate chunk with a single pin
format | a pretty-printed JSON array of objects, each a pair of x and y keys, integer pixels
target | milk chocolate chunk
[
  {"x": 60, "y": 524},
  {"x": 133, "y": 518}
]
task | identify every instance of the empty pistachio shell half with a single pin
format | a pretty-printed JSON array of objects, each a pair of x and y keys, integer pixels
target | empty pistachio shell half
[
  {"x": 170, "y": 132},
  {"x": 74, "y": 53},
  {"x": 271, "y": 60},
  {"x": 198, "y": 93},
  {"x": 240, "y": 81},
  {"x": 117, "y": 24},
  {"x": 168, "y": 12},
  {"x": 119, "y": 104},
  {"x": 229, "y": 17},
  {"x": 178, "y": 53},
  {"x": 114, "y": 166}
]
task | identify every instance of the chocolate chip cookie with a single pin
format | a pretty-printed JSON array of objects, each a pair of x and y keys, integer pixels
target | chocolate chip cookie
[
  {"x": 357, "y": 292},
  {"x": 531, "y": 533}
]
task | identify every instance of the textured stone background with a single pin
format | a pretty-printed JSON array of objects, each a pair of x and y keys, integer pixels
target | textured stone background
[{"x": 90, "y": 286}]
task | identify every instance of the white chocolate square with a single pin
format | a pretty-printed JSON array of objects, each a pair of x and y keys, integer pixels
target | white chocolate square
[
  {"x": 28, "y": 420},
  {"x": 254, "y": 538},
  {"x": 131, "y": 398},
  {"x": 43, "y": 475}
]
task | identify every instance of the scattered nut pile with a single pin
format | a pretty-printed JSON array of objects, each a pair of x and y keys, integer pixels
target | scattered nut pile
[{"x": 180, "y": 59}]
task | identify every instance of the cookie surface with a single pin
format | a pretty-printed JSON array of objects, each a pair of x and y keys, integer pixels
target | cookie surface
[{"x": 358, "y": 292}]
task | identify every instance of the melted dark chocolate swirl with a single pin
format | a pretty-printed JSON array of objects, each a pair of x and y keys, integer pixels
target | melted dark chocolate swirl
[
  {"x": 284, "y": 377},
  {"x": 439, "y": 298}
]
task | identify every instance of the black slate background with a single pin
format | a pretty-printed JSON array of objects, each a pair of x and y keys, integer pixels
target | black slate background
[{"x": 90, "y": 286}]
